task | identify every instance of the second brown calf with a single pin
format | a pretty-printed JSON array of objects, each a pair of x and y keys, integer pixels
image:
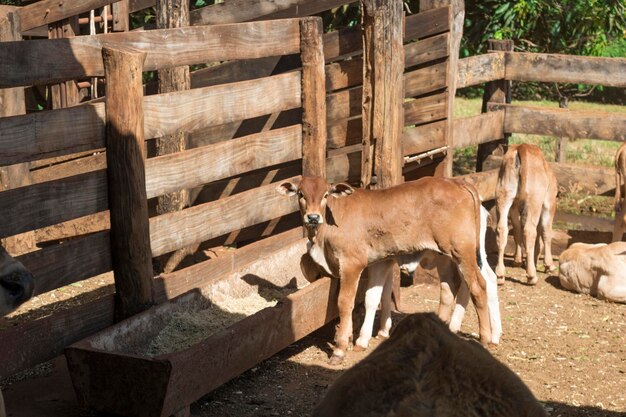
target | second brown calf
[{"x": 526, "y": 189}]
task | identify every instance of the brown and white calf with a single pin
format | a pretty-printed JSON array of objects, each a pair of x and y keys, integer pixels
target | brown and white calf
[
  {"x": 620, "y": 193},
  {"x": 425, "y": 370},
  {"x": 454, "y": 294},
  {"x": 599, "y": 270},
  {"x": 349, "y": 229},
  {"x": 527, "y": 188}
]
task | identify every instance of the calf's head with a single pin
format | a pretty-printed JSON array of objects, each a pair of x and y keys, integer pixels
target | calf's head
[
  {"x": 16, "y": 283},
  {"x": 313, "y": 194}
]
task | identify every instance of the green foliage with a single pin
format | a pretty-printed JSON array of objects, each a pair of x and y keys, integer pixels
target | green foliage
[{"x": 579, "y": 27}]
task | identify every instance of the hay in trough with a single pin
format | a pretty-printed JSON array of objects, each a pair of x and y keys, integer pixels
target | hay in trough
[{"x": 186, "y": 328}]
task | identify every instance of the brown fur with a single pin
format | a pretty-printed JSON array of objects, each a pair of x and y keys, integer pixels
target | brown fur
[
  {"x": 423, "y": 370},
  {"x": 526, "y": 186},
  {"x": 620, "y": 193},
  {"x": 363, "y": 227},
  {"x": 599, "y": 270}
]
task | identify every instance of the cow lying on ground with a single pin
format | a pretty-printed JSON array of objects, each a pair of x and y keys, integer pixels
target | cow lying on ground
[
  {"x": 452, "y": 289},
  {"x": 16, "y": 286},
  {"x": 620, "y": 193},
  {"x": 349, "y": 229},
  {"x": 599, "y": 270},
  {"x": 425, "y": 370},
  {"x": 526, "y": 186}
]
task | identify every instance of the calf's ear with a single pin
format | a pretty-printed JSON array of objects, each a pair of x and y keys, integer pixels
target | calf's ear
[
  {"x": 287, "y": 188},
  {"x": 341, "y": 190}
]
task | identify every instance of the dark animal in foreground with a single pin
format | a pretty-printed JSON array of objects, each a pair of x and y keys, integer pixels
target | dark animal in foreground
[{"x": 424, "y": 370}]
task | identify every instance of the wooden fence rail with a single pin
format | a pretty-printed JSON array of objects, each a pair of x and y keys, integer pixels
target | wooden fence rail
[
  {"x": 521, "y": 66},
  {"x": 54, "y": 60}
]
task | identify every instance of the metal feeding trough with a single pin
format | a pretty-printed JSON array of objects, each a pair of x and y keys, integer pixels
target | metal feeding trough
[{"x": 158, "y": 362}]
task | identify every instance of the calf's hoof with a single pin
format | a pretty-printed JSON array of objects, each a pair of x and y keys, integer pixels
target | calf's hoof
[
  {"x": 336, "y": 359},
  {"x": 382, "y": 336},
  {"x": 500, "y": 280},
  {"x": 550, "y": 268},
  {"x": 359, "y": 348},
  {"x": 532, "y": 280}
]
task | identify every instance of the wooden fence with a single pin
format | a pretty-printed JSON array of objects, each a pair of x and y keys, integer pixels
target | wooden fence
[
  {"x": 48, "y": 203},
  {"x": 241, "y": 143}
]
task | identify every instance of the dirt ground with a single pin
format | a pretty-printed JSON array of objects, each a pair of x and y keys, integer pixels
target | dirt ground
[{"x": 570, "y": 349}]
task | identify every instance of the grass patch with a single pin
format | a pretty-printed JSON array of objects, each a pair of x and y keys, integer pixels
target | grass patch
[{"x": 579, "y": 151}]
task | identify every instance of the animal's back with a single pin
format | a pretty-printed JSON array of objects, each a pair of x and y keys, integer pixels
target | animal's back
[{"x": 425, "y": 370}]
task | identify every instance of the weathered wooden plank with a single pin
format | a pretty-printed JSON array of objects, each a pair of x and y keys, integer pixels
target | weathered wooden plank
[
  {"x": 344, "y": 164},
  {"x": 344, "y": 104},
  {"x": 199, "y": 223},
  {"x": 216, "y": 105},
  {"x": 474, "y": 130},
  {"x": 53, "y": 60},
  {"x": 66, "y": 131},
  {"x": 234, "y": 71},
  {"x": 426, "y": 109},
  {"x": 425, "y": 80},
  {"x": 429, "y": 49},
  {"x": 136, "y": 5},
  {"x": 344, "y": 132},
  {"x": 235, "y": 11},
  {"x": 168, "y": 286},
  {"x": 522, "y": 66},
  {"x": 343, "y": 74},
  {"x": 74, "y": 260},
  {"x": 428, "y": 23},
  {"x": 313, "y": 98},
  {"x": 44, "y": 204},
  {"x": 423, "y": 138},
  {"x": 70, "y": 168},
  {"x": 49, "y": 11},
  {"x": 480, "y": 69},
  {"x": 222, "y": 160},
  {"x": 128, "y": 206},
  {"x": 562, "y": 122},
  {"x": 49, "y": 336},
  {"x": 51, "y": 133}
]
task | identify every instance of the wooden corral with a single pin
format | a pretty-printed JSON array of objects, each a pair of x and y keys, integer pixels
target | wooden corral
[{"x": 283, "y": 99}]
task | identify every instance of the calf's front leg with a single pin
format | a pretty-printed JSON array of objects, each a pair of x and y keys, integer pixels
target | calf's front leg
[{"x": 348, "y": 284}]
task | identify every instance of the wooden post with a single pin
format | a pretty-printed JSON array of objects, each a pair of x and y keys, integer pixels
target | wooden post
[
  {"x": 120, "y": 16},
  {"x": 130, "y": 235},
  {"x": 12, "y": 103},
  {"x": 383, "y": 93},
  {"x": 64, "y": 94},
  {"x": 313, "y": 98},
  {"x": 561, "y": 142},
  {"x": 173, "y": 14},
  {"x": 495, "y": 92},
  {"x": 456, "y": 33}
]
